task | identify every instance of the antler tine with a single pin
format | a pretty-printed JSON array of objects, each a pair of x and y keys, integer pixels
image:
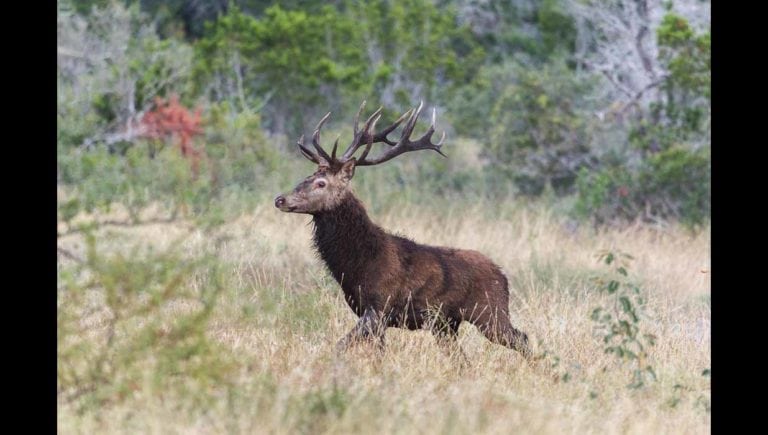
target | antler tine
[
  {"x": 370, "y": 138},
  {"x": 367, "y": 126},
  {"x": 335, "y": 145},
  {"x": 306, "y": 152},
  {"x": 382, "y": 135},
  {"x": 409, "y": 126},
  {"x": 357, "y": 117},
  {"x": 316, "y": 138},
  {"x": 431, "y": 131}
]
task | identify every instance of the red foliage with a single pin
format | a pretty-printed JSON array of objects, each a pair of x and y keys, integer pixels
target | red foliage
[
  {"x": 623, "y": 191},
  {"x": 169, "y": 119}
]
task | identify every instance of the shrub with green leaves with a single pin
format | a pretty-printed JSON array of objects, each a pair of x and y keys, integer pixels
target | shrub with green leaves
[
  {"x": 669, "y": 185},
  {"x": 539, "y": 137},
  {"x": 618, "y": 323},
  {"x": 98, "y": 179},
  {"x": 110, "y": 66}
]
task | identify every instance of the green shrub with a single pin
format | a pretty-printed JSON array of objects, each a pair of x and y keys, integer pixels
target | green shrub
[
  {"x": 669, "y": 185},
  {"x": 618, "y": 321},
  {"x": 539, "y": 138}
]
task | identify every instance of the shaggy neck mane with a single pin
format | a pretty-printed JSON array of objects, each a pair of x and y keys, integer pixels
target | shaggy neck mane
[{"x": 348, "y": 242}]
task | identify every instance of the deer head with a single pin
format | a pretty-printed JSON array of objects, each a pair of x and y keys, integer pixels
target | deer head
[{"x": 326, "y": 188}]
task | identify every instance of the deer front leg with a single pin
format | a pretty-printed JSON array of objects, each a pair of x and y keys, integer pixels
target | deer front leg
[
  {"x": 446, "y": 332},
  {"x": 369, "y": 326}
]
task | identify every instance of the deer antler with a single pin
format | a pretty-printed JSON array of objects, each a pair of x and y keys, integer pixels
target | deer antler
[
  {"x": 405, "y": 144},
  {"x": 368, "y": 136},
  {"x": 365, "y": 137}
]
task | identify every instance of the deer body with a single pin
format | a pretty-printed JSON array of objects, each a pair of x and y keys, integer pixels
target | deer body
[{"x": 388, "y": 280}]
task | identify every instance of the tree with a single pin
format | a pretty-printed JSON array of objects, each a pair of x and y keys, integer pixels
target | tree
[
  {"x": 662, "y": 169},
  {"x": 414, "y": 50},
  {"x": 290, "y": 58},
  {"x": 110, "y": 67},
  {"x": 539, "y": 131},
  {"x": 616, "y": 39}
]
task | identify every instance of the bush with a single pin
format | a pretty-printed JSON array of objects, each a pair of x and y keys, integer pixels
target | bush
[
  {"x": 98, "y": 179},
  {"x": 137, "y": 321},
  {"x": 672, "y": 184},
  {"x": 539, "y": 138}
]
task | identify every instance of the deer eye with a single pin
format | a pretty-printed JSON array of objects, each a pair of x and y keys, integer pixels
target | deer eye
[{"x": 320, "y": 183}]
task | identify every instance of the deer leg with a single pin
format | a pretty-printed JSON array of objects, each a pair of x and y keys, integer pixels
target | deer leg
[
  {"x": 446, "y": 333},
  {"x": 369, "y": 326},
  {"x": 499, "y": 330}
]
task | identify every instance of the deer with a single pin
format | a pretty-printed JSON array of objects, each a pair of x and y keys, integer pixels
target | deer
[{"x": 389, "y": 280}]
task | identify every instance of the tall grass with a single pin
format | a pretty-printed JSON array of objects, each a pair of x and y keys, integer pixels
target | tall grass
[{"x": 279, "y": 314}]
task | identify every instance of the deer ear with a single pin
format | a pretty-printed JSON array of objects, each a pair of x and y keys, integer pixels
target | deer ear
[{"x": 348, "y": 169}]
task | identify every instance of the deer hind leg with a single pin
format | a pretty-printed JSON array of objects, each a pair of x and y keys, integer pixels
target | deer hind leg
[
  {"x": 498, "y": 329},
  {"x": 370, "y": 326}
]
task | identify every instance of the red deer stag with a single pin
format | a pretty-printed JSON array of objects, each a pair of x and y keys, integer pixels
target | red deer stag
[{"x": 387, "y": 280}]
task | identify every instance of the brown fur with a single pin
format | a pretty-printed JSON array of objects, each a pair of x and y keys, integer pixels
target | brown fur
[{"x": 391, "y": 281}]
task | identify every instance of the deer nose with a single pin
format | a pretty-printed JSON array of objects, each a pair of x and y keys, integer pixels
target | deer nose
[{"x": 279, "y": 201}]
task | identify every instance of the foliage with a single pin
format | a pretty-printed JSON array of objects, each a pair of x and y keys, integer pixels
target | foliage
[
  {"x": 132, "y": 321},
  {"x": 285, "y": 56},
  {"x": 538, "y": 137},
  {"x": 98, "y": 180},
  {"x": 664, "y": 173},
  {"x": 110, "y": 66},
  {"x": 171, "y": 120},
  {"x": 514, "y": 29},
  {"x": 415, "y": 50},
  {"x": 672, "y": 184},
  {"x": 619, "y": 324}
]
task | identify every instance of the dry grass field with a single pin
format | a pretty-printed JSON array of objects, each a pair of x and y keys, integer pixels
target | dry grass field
[{"x": 280, "y": 314}]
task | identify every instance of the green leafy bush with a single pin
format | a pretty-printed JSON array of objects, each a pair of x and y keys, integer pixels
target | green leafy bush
[
  {"x": 618, "y": 322},
  {"x": 669, "y": 185},
  {"x": 539, "y": 138}
]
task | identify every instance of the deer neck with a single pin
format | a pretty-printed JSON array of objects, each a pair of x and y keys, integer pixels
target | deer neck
[{"x": 348, "y": 242}]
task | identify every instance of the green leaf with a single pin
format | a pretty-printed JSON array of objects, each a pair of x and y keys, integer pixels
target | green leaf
[
  {"x": 625, "y": 304},
  {"x": 609, "y": 258},
  {"x": 596, "y": 314},
  {"x": 706, "y": 372},
  {"x": 612, "y": 287}
]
